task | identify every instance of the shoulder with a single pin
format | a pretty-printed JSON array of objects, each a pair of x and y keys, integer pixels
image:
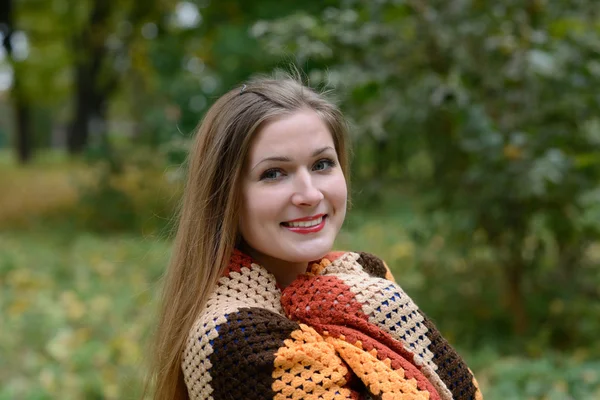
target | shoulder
[
  {"x": 245, "y": 292},
  {"x": 234, "y": 337},
  {"x": 230, "y": 348},
  {"x": 230, "y": 352}
]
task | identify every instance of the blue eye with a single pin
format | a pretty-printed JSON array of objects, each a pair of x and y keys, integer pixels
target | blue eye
[
  {"x": 271, "y": 174},
  {"x": 323, "y": 164}
]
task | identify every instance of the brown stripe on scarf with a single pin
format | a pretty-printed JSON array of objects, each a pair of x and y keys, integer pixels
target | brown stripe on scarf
[
  {"x": 372, "y": 265},
  {"x": 451, "y": 368},
  {"x": 244, "y": 351}
]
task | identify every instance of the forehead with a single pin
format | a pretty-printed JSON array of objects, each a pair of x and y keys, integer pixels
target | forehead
[{"x": 298, "y": 134}]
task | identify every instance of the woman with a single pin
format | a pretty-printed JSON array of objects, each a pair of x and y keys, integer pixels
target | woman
[{"x": 255, "y": 304}]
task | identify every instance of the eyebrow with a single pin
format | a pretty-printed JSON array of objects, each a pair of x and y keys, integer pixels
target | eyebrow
[{"x": 287, "y": 159}]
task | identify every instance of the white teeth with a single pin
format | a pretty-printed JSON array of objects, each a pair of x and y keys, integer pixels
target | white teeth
[{"x": 305, "y": 224}]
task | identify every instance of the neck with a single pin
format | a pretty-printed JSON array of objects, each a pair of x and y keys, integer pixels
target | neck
[{"x": 284, "y": 271}]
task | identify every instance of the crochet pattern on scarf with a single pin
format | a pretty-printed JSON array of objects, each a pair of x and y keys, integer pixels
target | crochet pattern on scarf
[{"x": 343, "y": 330}]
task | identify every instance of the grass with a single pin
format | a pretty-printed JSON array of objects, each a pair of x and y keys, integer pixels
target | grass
[{"x": 76, "y": 311}]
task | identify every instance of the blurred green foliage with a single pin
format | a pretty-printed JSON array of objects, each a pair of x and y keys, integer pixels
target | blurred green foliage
[{"x": 475, "y": 176}]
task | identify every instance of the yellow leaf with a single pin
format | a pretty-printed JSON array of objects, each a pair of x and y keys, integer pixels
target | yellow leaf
[
  {"x": 60, "y": 346},
  {"x": 74, "y": 307},
  {"x": 512, "y": 152},
  {"x": 19, "y": 307}
]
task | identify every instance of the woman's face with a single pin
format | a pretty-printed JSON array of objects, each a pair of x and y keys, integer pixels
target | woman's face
[{"x": 294, "y": 191}]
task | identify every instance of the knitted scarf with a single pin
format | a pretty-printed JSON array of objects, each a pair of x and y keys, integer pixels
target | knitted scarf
[{"x": 343, "y": 330}]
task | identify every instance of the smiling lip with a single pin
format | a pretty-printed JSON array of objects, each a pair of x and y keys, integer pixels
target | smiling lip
[
  {"x": 306, "y": 218},
  {"x": 304, "y": 230}
]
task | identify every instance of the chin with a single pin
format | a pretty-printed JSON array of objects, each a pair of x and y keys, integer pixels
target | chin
[{"x": 310, "y": 253}]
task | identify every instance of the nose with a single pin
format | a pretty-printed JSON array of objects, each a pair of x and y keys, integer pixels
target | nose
[{"x": 305, "y": 191}]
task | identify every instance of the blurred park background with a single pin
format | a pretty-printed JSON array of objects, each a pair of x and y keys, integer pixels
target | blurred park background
[{"x": 476, "y": 136}]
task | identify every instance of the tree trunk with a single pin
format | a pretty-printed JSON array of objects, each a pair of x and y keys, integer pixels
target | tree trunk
[
  {"x": 515, "y": 298},
  {"x": 92, "y": 90},
  {"x": 24, "y": 143},
  {"x": 514, "y": 268},
  {"x": 22, "y": 109},
  {"x": 515, "y": 273},
  {"x": 83, "y": 99}
]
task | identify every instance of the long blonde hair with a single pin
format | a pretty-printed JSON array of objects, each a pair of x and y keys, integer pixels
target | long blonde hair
[{"x": 208, "y": 219}]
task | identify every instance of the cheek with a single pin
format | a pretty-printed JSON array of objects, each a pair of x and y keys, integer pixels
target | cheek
[
  {"x": 342, "y": 189},
  {"x": 259, "y": 206},
  {"x": 338, "y": 193}
]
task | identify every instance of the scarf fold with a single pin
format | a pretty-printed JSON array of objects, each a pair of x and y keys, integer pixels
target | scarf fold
[{"x": 343, "y": 330}]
